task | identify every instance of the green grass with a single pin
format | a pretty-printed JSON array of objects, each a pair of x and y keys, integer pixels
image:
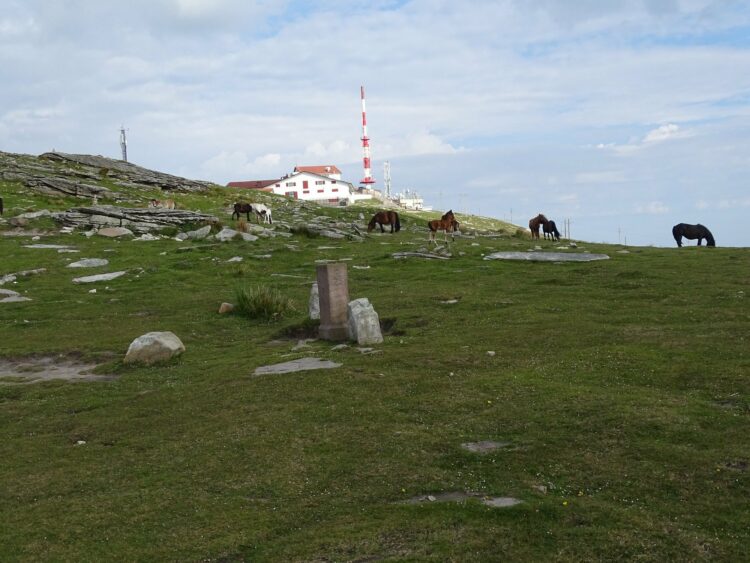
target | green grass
[{"x": 622, "y": 386}]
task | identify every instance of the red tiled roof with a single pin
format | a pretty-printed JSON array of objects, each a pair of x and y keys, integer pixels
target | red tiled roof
[
  {"x": 252, "y": 184},
  {"x": 322, "y": 170}
]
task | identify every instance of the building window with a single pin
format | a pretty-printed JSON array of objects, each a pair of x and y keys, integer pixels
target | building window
[
  {"x": 291, "y": 194},
  {"x": 320, "y": 191},
  {"x": 333, "y": 181},
  {"x": 335, "y": 190},
  {"x": 290, "y": 184},
  {"x": 320, "y": 182},
  {"x": 278, "y": 185}
]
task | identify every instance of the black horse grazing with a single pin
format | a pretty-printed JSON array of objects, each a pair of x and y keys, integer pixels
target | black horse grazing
[
  {"x": 1, "y": 206},
  {"x": 550, "y": 230},
  {"x": 385, "y": 218},
  {"x": 240, "y": 208},
  {"x": 692, "y": 232}
]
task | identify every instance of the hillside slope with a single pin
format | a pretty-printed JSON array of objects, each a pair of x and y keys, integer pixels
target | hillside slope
[{"x": 610, "y": 398}]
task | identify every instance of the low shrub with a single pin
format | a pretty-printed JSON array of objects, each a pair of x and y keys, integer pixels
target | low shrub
[{"x": 262, "y": 302}]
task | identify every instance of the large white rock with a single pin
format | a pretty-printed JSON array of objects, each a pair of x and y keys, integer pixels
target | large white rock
[
  {"x": 154, "y": 347},
  {"x": 226, "y": 234},
  {"x": 364, "y": 324},
  {"x": 199, "y": 234}
]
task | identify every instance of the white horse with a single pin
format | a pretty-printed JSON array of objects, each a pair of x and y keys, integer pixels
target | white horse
[{"x": 263, "y": 212}]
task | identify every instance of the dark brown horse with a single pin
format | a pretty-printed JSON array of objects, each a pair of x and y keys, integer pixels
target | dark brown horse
[
  {"x": 692, "y": 232},
  {"x": 550, "y": 230},
  {"x": 447, "y": 223},
  {"x": 535, "y": 223},
  {"x": 240, "y": 208},
  {"x": 385, "y": 218}
]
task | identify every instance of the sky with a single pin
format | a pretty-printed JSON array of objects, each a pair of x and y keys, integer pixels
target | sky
[{"x": 623, "y": 117}]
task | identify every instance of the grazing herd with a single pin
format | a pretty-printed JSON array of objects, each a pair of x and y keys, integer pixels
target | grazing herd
[{"x": 447, "y": 223}]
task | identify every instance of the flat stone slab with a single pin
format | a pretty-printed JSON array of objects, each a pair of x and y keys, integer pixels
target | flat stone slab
[
  {"x": 89, "y": 263},
  {"x": 302, "y": 364},
  {"x": 51, "y": 246},
  {"x": 461, "y": 496},
  {"x": 99, "y": 277},
  {"x": 547, "y": 256},
  {"x": 484, "y": 446},
  {"x": 35, "y": 370}
]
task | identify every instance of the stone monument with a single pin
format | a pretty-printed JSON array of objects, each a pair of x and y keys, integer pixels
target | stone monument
[{"x": 333, "y": 291}]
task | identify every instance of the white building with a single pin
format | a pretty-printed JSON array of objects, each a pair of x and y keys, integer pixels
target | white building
[{"x": 322, "y": 184}]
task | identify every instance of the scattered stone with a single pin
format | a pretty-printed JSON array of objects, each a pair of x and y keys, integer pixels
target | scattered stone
[
  {"x": 302, "y": 364},
  {"x": 225, "y": 308},
  {"x": 99, "y": 277},
  {"x": 450, "y": 302},
  {"x": 491, "y": 353},
  {"x": 339, "y": 347},
  {"x": 226, "y": 234},
  {"x": 18, "y": 222},
  {"x": 147, "y": 237},
  {"x": 305, "y": 343},
  {"x": 8, "y": 296},
  {"x": 68, "y": 251},
  {"x": 484, "y": 446},
  {"x": 546, "y": 256},
  {"x": 35, "y": 214},
  {"x": 402, "y": 255},
  {"x": 541, "y": 488},
  {"x": 363, "y": 322},
  {"x": 368, "y": 351},
  {"x": 361, "y": 267},
  {"x": 235, "y": 259},
  {"x": 7, "y": 278},
  {"x": 154, "y": 347},
  {"x": 114, "y": 232},
  {"x": 89, "y": 263},
  {"x": 199, "y": 234}
]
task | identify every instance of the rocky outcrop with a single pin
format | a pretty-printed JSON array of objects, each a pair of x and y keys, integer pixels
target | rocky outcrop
[
  {"x": 80, "y": 175},
  {"x": 139, "y": 219},
  {"x": 119, "y": 170}
]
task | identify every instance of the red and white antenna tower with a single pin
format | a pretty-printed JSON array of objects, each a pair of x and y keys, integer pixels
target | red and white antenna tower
[{"x": 368, "y": 179}]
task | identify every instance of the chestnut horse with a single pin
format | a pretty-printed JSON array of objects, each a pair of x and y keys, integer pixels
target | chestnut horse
[
  {"x": 447, "y": 223},
  {"x": 535, "y": 223},
  {"x": 692, "y": 232},
  {"x": 385, "y": 218}
]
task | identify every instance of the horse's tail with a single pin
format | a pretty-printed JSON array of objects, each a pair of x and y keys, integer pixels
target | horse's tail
[
  {"x": 709, "y": 237},
  {"x": 397, "y": 222}
]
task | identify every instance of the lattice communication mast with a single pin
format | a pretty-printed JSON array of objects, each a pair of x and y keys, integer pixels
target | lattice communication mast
[
  {"x": 123, "y": 144},
  {"x": 368, "y": 179},
  {"x": 387, "y": 178}
]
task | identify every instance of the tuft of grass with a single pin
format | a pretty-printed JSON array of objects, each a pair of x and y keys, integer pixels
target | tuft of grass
[{"x": 262, "y": 302}]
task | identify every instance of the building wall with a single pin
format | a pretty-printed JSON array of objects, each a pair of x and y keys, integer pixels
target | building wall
[{"x": 311, "y": 187}]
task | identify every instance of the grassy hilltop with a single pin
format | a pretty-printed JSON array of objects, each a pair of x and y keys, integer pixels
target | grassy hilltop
[{"x": 619, "y": 390}]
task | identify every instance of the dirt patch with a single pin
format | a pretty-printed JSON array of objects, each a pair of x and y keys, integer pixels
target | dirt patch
[{"x": 46, "y": 368}]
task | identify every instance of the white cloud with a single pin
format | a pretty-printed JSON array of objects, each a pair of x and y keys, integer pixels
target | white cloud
[
  {"x": 665, "y": 132},
  {"x": 652, "y": 208},
  {"x": 237, "y": 166}
]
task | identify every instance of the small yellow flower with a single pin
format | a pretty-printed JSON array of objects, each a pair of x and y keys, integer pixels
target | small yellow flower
[
  {"x": 565, "y": 503},
  {"x": 580, "y": 493}
]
